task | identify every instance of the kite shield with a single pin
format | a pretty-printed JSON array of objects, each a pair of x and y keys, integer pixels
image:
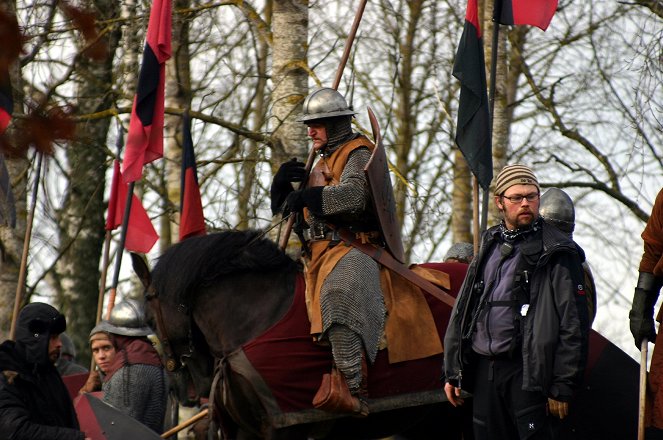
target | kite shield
[{"x": 377, "y": 174}]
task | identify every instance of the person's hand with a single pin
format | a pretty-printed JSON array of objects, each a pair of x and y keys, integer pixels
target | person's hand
[
  {"x": 93, "y": 383},
  {"x": 453, "y": 394},
  {"x": 290, "y": 171},
  {"x": 295, "y": 201},
  {"x": 641, "y": 316},
  {"x": 557, "y": 408}
]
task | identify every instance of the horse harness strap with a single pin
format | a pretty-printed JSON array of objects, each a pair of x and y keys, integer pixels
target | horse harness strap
[
  {"x": 383, "y": 257},
  {"x": 171, "y": 361}
]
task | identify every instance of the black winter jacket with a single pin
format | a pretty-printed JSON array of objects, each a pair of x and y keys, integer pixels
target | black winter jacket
[
  {"x": 555, "y": 330},
  {"x": 34, "y": 402}
]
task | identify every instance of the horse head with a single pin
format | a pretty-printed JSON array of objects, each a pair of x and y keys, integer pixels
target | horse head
[{"x": 184, "y": 351}]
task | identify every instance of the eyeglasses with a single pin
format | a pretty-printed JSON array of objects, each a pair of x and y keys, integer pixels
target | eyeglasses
[{"x": 518, "y": 198}]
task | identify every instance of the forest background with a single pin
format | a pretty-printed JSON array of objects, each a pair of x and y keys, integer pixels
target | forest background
[{"x": 581, "y": 103}]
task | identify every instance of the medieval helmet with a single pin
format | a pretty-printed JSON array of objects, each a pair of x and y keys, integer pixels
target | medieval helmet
[
  {"x": 461, "y": 251},
  {"x": 556, "y": 207},
  {"x": 324, "y": 102},
  {"x": 127, "y": 319}
]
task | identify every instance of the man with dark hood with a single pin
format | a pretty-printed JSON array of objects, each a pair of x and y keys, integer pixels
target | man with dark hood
[
  {"x": 67, "y": 364},
  {"x": 34, "y": 402}
]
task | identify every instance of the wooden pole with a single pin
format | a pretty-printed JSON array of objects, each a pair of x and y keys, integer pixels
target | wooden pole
[
  {"x": 20, "y": 287},
  {"x": 119, "y": 143},
  {"x": 283, "y": 243},
  {"x": 494, "y": 47},
  {"x": 120, "y": 249},
  {"x": 104, "y": 273},
  {"x": 185, "y": 423},
  {"x": 643, "y": 389}
]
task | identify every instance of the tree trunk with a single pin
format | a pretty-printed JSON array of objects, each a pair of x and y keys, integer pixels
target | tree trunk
[
  {"x": 11, "y": 239},
  {"x": 81, "y": 219},
  {"x": 405, "y": 123},
  {"x": 500, "y": 135},
  {"x": 461, "y": 228},
  {"x": 178, "y": 95},
  {"x": 246, "y": 212},
  {"x": 290, "y": 82},
  {"x": 290, "y": 79}
]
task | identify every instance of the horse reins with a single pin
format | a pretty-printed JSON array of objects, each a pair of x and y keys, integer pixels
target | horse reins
[{"x": 173, "y": 362}]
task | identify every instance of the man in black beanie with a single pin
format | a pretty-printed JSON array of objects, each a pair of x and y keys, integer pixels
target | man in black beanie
[{"x": 34, "y": 402}]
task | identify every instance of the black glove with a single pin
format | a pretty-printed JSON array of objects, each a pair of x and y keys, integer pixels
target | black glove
[
  {"x": 641, "y": 315},
  {"x": 291, "y": 171},
  {"x": 309, "y": 197}
]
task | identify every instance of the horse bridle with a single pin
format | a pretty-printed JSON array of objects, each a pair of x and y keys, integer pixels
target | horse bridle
[{"x": 173, "y": 362}]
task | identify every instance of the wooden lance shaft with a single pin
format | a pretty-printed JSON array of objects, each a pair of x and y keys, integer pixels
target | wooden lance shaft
[
  {"x": 643, "y": 389},
  {"x": 20, "y": 286},
  {"x": 185, "y": 423}
]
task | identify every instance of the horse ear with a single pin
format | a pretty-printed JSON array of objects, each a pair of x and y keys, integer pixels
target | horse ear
[{"x": 140, "y": 267}]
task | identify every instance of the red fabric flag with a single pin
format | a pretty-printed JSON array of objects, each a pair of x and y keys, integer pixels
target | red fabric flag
[
  {"x": 7, "y": 203},
  {"x": 192, "y": 219},
  {"x": 6, "y": 100},
  {"x": 141, "y": 235},
  {"x": 145, "y": 138},
  {"x": 473, "y": 126},
  {"x": 537, "y": 13}
]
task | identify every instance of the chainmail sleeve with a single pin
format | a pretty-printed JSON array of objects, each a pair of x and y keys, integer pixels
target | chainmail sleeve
[
  {"x": 352, "y": 195},
  {"x": 140, "y": 391}
]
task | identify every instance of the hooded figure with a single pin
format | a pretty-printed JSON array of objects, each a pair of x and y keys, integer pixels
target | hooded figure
[
  {"x": 34, "y": 402},
  {"x": 67, "y": 365}
]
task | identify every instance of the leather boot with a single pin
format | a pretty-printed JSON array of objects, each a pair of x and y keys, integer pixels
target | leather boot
[{"x": 334, "y": 396}]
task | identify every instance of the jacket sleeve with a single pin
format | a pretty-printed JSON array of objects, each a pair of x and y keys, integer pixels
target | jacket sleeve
[
  {"x": 15, "y": 423},
  {"x": 570, "y": 299},
  {"x": 453, "y": 367}
]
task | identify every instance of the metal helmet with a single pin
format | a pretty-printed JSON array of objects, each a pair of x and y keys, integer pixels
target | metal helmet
[
  {"x": 556, "y": 207},
  {"x": 127, "y": 319},
  {"x": 67, "y": 345},
  {"x": 461, "y": 251},
  {"x": 324, "y": 103}
]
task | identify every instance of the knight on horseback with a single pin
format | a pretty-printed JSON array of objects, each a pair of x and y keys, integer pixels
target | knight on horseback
[{"x": 344, "y": 298}]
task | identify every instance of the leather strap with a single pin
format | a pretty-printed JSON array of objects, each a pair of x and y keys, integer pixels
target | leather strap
[{"x": 383, "y": 257}]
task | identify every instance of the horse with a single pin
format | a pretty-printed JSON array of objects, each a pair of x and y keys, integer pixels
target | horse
[{"x": 233, "y": 328}]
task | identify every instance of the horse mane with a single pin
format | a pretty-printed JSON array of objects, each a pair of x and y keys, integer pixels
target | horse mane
[{"x": 198, "y": 262}]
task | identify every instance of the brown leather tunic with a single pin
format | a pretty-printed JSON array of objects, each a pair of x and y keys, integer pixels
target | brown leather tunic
[{"x": 410, "y": 329}]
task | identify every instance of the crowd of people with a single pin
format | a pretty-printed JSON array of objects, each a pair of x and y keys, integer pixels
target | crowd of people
[{"x": 516, "y": 342}]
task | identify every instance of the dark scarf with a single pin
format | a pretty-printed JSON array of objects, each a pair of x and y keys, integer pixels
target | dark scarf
[
  {"x": 511, "y": 235},
  {"x": 129, "y": 351}
]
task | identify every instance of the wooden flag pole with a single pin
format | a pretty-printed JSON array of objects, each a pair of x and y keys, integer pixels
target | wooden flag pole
[
  {"x": 20, "y": 286},
  {"x": 283, "y": 243},
  {"x": 120, "y": 249},
  {"x": 104, "y": 273},
  {"x": 106, "y": 255},
  {"x": 643, "y": 389}
]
